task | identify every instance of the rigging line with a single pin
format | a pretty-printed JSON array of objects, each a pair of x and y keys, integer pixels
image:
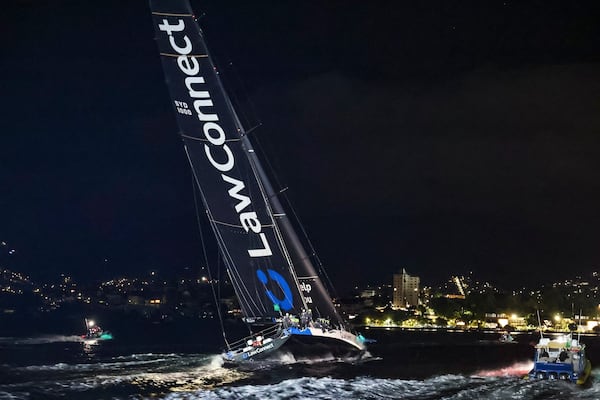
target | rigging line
[
  {"x": 304, "y": 233},
  {"x": 244, "y": 92},
  {"x": 243, "y": 292},
  {"x": 237, "y": 289},
  {"x": 312, "y": 248},
  {"x": 183, "y": 135},
  {"x": 246, "y": 299},
  {"x": 263, "y": 183},
  {"x": 219, "y": 279},
  {"x": 255, "y": 166},
  {"x": 212, "y": 285},
  {"x": 251, "y": 302},
  {"x": 266, "y": 160},
  {"x": 216, "y": 231},
  {"x": 220, "y": 240},
  {"x": 237, "y": 283},
  {"x": 255, "y": 127}
]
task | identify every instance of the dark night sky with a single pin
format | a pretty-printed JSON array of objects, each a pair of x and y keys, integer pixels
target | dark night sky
[{"x": 439, "y": 136}]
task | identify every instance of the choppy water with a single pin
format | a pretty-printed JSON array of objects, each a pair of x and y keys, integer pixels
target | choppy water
[{"x": 403, "y": 365}]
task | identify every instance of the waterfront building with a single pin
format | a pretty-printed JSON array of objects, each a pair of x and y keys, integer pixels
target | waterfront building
[{"x": 406, "y": 290}]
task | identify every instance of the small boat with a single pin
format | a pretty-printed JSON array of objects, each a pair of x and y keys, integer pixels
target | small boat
[
  {"x": 506, "y": 337},
  {"x": 276, "y": 275},
  {"x": 94, "y": 333},
  {"x": 562, "y": 358}
]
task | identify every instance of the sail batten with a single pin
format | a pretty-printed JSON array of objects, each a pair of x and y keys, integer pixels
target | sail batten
[
  {"x": 189, "y": 55},
  {"x": 171, "y": 14},
  {"x": 234, "y": 225}
]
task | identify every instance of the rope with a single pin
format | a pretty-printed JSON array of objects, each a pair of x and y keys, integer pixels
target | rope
[{"x": 212, "y": 285}]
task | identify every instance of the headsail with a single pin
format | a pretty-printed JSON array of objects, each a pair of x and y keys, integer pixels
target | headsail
[{"x": 248, "y": 221}]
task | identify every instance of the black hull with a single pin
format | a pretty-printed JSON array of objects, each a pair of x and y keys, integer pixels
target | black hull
[
  {"x": 304, "y": 345},
  {"x": 319, "y": 347},
  {"x": 312, "y": 348},
  {"x": 315, "y": 345}
]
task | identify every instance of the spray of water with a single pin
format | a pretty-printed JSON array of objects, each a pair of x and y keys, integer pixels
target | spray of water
[
  {"x": 44, "y": 339},
  {"x": 516, "y": 369}
]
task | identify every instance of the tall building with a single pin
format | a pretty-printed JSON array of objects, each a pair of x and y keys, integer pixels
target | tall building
[{"x": 406, "y": 290}]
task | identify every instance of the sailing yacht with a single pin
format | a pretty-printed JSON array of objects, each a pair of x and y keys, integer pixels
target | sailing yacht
[
  {"x": 274, "y": 279},
  {"x": 93, "y": 333}
]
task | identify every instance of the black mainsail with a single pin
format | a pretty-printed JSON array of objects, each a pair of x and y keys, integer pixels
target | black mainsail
[{"x": 271, "y": 272}]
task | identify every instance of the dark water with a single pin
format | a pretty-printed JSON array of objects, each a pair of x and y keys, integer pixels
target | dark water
[{"x": 173, "y": 363}]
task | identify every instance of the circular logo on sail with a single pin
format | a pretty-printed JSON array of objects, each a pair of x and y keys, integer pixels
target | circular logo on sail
[{"x": 285, "y": 303}]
